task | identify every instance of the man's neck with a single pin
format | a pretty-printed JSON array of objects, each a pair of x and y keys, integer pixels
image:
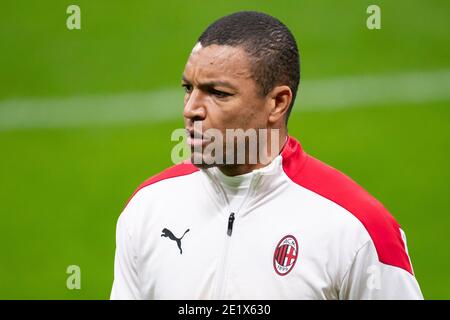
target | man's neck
[{"x": 239, "y": 169}]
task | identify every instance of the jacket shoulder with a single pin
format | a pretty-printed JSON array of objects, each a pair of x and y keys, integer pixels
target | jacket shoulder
[
  {"x": 174, "y": 171},
  {"x": 337, "y": 187}
]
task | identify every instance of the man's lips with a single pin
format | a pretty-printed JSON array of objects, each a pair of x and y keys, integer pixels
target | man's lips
[
  {"x": 196, "y": 142},
  {"x": 196, "y": 139}
]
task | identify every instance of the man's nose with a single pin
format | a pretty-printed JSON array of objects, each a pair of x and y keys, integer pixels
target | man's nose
[{"x": 194, "y": 108}]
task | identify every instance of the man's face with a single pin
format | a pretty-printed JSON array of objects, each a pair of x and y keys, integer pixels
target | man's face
[{"x": 221, "y": 93}]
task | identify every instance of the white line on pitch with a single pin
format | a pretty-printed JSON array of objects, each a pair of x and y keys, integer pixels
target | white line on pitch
[{"x": 161, "y": 105}]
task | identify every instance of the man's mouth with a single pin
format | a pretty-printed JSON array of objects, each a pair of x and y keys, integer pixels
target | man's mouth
[{"x": 196, "y": 138}]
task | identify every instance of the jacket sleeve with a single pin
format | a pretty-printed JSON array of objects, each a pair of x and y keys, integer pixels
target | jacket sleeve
[
  {"x": 126, "y": 284},
  {"x": 369, "y": 279}
]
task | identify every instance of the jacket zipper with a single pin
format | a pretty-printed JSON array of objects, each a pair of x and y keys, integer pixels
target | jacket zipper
[
  {"x": 230, "y": 224},
  {"x": 223, "y": 268}
]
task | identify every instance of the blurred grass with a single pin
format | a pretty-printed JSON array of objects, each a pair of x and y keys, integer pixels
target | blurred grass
[
  {"x": 143, "y": 45},
  {"x": 62, "y": 190}
]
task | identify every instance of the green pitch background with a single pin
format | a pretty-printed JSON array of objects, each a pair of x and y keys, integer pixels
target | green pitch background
[{"x": 62, "y": 189}]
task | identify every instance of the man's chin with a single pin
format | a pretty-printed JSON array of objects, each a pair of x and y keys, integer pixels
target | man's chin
[{"x": 200, "y": 162}]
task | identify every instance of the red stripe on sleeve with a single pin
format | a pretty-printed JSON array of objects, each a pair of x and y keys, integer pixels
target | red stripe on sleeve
[
  {"x": 177, "y": 170},
  {"x": 332, "y": 184}
]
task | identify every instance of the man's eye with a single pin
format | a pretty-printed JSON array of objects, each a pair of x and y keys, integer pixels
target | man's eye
[
  {"x": 219, "y": 94},
  {"x": 187, "y": 88}
]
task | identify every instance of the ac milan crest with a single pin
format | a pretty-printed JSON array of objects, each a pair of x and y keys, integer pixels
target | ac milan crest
[{"x": 285, "y": 256}]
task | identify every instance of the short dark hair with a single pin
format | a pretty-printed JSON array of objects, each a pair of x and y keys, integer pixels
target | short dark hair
[{"x": 269, "y": 44}]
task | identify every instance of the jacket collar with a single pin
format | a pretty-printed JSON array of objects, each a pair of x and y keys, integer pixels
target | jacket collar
[{"x": 266, "y": 181}]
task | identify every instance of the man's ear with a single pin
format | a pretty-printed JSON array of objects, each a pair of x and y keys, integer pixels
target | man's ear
[{"x": 280, "y": 99}]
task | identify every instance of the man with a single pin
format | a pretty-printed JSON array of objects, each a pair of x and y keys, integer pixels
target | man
[{"x": 287, "y": 228}]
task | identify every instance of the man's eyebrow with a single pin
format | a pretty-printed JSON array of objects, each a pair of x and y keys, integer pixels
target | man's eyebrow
[{"x": 214, "y": 83}]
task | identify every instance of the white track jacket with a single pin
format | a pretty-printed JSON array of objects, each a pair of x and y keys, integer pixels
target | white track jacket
[{"x": 304, "y": 231}]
